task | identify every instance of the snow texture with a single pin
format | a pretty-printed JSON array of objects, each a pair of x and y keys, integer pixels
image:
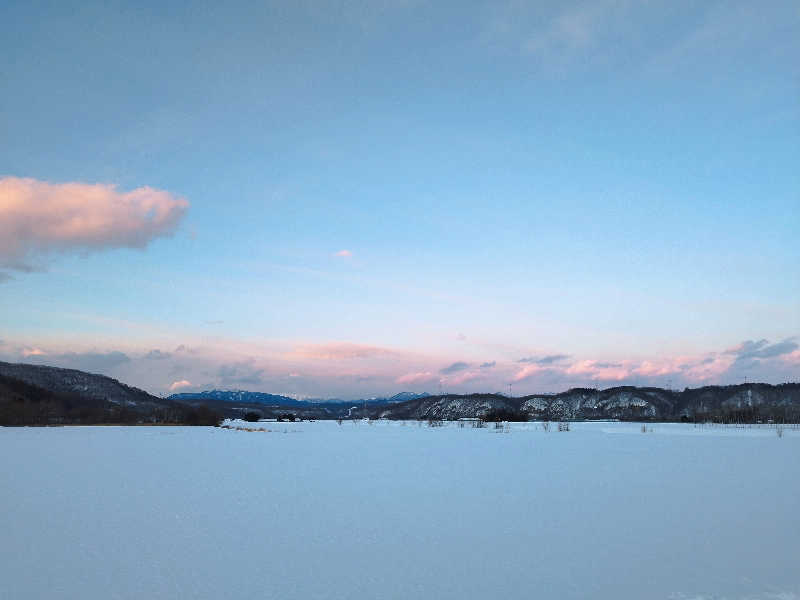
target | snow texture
[{"x": 400, "y": 510}]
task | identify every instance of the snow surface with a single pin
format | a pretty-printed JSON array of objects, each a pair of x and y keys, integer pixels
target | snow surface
[{"x": 397, "y": 510}]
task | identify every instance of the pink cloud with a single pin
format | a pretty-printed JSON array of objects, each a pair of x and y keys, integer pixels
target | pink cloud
[
  {"x": 40, "y": 217},
  {"x": 600, "y": 370},
  {"x": 344, "y": 253},
  {"x": 412, "y": 378},
  {"x": 701, "y": 368},
  {"x": 710, "y": 368},
  {"x": 178, "y": 385},
  {"x": 464, "y": 377},
  {"x": 527, "y": 372},
  {"x": 346, "y": 369},
  {"x": 651, "y": 369}
]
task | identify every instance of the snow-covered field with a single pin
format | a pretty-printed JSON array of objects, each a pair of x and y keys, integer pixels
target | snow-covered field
[{"x": 392, "y": 510}]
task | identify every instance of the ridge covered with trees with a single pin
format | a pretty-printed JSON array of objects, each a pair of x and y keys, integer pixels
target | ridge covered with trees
[
  {"x": 40, "y": 395},
  {"x": 744, "y": 403}
]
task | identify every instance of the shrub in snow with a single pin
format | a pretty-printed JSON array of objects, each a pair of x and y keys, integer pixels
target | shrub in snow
[{"x": 498, "y": 415}]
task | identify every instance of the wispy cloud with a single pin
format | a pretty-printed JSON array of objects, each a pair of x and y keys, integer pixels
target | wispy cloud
[
  {"x": 574, "y": 29},
  {"x": 415, "y": 378},
  {"x": 240, "y": 374},
  {"x": 351, "y": 370},
  {"x": 729, "y": 30},
  {"x": 559, "y": 34},
  {"x": 38, "y": 218},
  {"x": 548, "y": 359},
  {"x": 464, "y": 377},
  {"x": 340, "y": 351},
  {"x": 344, "y": 253},
  {"x": 600, "y": 370},
  {"x": 93, "y": 361},
  {"x": 527, "y": 372},
  {"x": 750, "y": 349},
  {"x": 454, "y": 368},
  {"x": 703, "y": 37}
]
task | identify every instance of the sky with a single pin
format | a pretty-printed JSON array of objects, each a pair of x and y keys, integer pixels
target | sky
[{"x": 352, "y": 199}]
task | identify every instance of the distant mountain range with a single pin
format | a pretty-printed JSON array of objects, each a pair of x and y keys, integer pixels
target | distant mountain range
[
  {"x": 237, "y": 396},
  {"x": 241, "y": 396},
  {"x": 235, "y": 402},
  {"x": 37, "y": 394}
]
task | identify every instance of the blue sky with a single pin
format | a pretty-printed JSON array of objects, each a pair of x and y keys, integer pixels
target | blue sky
[{"x": 614, "y": 182}]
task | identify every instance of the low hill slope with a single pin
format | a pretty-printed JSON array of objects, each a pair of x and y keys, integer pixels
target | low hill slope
[
  {"x": 71, "y": 381},
  {"x": 43, "y": 395}
]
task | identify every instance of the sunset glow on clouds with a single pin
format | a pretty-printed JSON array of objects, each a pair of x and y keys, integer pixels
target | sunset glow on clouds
[
  {"x": 37, "y": 218},
  {"x": 177, "y": 386},
  {"x": 527, "y": 372},
  {"x": 32, "y": 352},
  {"x": 414, "y": 379},
  {"x": 340, "y": 351},
  {"x": 358, "y": 370},
  {"x": 624, "y": 213}
]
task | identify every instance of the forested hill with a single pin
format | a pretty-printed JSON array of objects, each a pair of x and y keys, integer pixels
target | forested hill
[
  {"x": 42, "y": 395},
  {"x": 744, "y": 403}
]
